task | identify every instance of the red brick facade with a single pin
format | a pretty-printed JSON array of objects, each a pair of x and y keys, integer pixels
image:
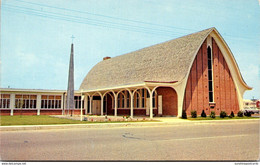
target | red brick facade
[
  {"x": 169, "y": 101},
  {"x": 197, "y": 91},
  {"x": 5, "y": 112}
]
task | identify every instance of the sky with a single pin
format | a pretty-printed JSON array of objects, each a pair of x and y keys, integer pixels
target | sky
[{"x": 36, "y": 35}]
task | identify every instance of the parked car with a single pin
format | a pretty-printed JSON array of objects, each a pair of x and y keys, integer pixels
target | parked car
[{"x": 252, "y": 110}]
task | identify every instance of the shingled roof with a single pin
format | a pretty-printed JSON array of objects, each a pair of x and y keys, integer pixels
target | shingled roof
[{"x": 165, "y": 62}]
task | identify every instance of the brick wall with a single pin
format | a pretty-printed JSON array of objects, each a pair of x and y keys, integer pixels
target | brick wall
[
  {"x": 25, "y": 112},
  {"x": 169, "y": 101},
  {"x": 197, "y": 92},
  {"x": 5, "y": 112}
]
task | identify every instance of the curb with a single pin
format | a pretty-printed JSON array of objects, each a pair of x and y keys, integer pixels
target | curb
[{"x": 114, "y": 125}]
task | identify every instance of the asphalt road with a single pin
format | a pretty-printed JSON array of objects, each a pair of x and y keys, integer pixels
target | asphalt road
[{"x": 214, "y": 142}]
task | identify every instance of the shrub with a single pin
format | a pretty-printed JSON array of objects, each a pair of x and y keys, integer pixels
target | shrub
[
  {"x": 193, "y": 114},
  {"x": 203, "y": 114},
  {"x": 212, "y": 114},
  {"x": 232, "y": 114},
  {"x": 184, "y": 115},
  {"x": 248, "y": 114},
  {"x": 223, "y": 114},
  {"x": 240, "y": 114}
]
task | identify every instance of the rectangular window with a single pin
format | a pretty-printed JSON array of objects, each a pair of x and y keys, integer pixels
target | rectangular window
[
  {"x": 153, "y": 99},
  {"x": 118, "y": 100},
  {"x": 127, "y": 100},
  {"x": 25, "y": 101},
  {"x": 137, "y": 100},
  {"x": 143, "y": 105},
  {"x": 123, "y": 101},
  {"x": 77, "y": 102},
  {"x": 210, "y": 77},
  {"x": 4, "y": 101},
  {"x": 50, "y": 102}
]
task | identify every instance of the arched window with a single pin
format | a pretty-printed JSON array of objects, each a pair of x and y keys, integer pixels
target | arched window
[{"x": 210, "y": 75}]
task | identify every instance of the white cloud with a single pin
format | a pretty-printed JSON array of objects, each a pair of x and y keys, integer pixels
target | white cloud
[{"x": 27, "y": 59}]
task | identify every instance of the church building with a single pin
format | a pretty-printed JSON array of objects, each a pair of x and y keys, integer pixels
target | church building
[{"x": 195, "y": 72}]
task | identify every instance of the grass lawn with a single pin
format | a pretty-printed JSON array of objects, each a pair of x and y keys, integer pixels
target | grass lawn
[
  {"x": 218, "y": 118},
  {"x": 45, "y": 120}
]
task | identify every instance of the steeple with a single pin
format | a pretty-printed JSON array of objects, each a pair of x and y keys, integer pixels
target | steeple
[{"x": 70, "y": 90}]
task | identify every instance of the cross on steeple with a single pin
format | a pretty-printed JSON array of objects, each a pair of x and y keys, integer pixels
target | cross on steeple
[{"x": 72, "y": 37}]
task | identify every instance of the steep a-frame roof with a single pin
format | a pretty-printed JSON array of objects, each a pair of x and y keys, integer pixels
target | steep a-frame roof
[{"x": 165, "y": 62}]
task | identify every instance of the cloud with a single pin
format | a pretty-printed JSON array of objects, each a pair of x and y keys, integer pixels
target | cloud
[{"x": 27, "y": 59}]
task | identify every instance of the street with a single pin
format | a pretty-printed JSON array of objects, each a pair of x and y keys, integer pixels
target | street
[{"x": 214, "y": 142}]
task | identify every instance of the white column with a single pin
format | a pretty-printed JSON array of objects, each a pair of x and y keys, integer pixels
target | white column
[
  {"x": 102, "y": 104},
  {"x": 151, "y": 105},
  {"x": 132, "y": 104},
  {"x": 12, "y": 103},
  {"x": 90, "y": 105},
  {"x": 86, "y": 104},
  {"x": 115, "y": 104},
  {"x": 38, "y": 104},
  {"x": 62, "y": 103},
  {"x": 81, "y": 108}
]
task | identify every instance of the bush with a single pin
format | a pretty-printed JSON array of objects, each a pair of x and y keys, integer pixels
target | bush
[
  {"x": 212, "y": 114},
  {"x": 223, "y": 114},
  {"x": 184, "y": 115},
  {"x": 240, "y": 114},
  {"x": 232, "y": 114},
  {"x": 248, "y": 114},
  {"x": 203, "y": 114},
  {"x": 193, "y": 114}
]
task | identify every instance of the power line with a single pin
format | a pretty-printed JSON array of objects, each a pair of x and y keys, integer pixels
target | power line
[
  {"x": 96, "y": 22},
  {"x": 89, "y": 19},
  {"x": 101, "y": 15},
  {"x": 77, "y": 19}
]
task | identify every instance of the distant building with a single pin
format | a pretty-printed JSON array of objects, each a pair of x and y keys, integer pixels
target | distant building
[
  {"x": 250, "y": 103},
  {"x": 194, "y": 72}
]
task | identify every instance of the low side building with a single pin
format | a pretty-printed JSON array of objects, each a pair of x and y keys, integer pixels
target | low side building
[{"x": 36, "y": 102}]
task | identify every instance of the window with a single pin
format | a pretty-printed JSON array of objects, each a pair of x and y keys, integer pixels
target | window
[
  {"x": 4, "y": 101},
  {"x": 154, "y": 99},
  {"x": 25, "y": 101},
  {"x": 143, "y": 103},
  {"x": 51, "y": 102},
  {"x": 77, "y": 102},
  {"x": 123, "y": 101},
  {"x": 210, "y": 77},
  {"x": 137, "y": 99},
  {"x": 148, "y": 96},
  {"x": 118, "y": 100},
  {"x": 128, "y": 100}
]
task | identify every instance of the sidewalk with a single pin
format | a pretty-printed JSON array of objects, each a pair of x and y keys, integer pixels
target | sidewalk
[{"x": 160, "y": 121}]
